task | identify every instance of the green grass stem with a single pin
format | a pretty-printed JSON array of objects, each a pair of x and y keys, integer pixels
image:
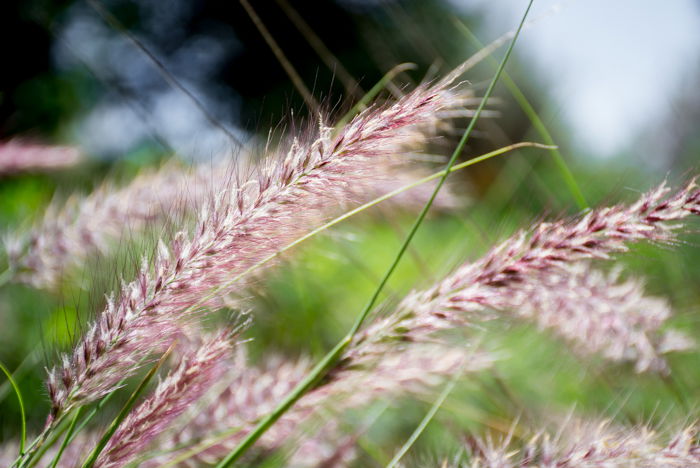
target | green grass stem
[
  {"x": 424, "y": 422},
  {"x": 20, "y": 400}
]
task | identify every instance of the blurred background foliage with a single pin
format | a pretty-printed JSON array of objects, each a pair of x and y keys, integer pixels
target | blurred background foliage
[{"x": 73, "y": 74}]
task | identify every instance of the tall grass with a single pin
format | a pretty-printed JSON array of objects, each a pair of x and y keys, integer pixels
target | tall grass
[{"x": 227, "y": 394}]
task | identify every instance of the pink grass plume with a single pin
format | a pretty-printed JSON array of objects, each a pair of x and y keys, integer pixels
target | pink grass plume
[
  {"x": 237, "y": 229},
  {"x": 20, "y": 156}
]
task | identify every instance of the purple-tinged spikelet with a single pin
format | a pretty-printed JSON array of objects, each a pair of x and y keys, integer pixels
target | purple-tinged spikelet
[
  {"x": 520, "y": 273},
  {"x": 596, "y": 311},
  {"x": 592, "y": 445},
  {"x": 236, "y": 230},
  {"x": 198, "y": 370},
  {"x": 70, "y": 233}
]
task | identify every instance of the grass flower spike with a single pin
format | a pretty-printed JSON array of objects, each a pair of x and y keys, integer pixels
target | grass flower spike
[
  {"x": 197, "y": 371},
  {"x": 17, "y": 156},
  {"x": 236, "y": 229}
]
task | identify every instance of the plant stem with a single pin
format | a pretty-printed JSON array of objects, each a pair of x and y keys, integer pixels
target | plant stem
[
  {"x": 19, "y": 372},
  {"x": 41, "y": 443},
  {"x": 314, "y": 376},
  {"x": 425, "y": 421},
  {"x": 281, "y": 58},
  {"x": 91, "y": 415},
  {"x": 23, "y": 434},
  {"x": 331, "y": 61},
  {"x": 159, "y": 66},
  {"x": 58, "y": 432},
  {"x": 331, "y": 358}
]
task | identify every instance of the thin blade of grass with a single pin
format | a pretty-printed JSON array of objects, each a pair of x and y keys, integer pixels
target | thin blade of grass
[
  {"x": 67, "y": 439},
  {"x": 199, "y": 447},
  {"x": 41, "y": 444},
  {"x": 19, "y": 372},
  {"x": 20, "y": 400},
  {"x": 162, "y": 70},
  {"x": 59, "y": 431},
  {"x": 114, "y": 425},
  {"x": 314, "y": 376},
  {"x": 316, "y": 43},
  {"x": 441, "y": 182},
  {"x": 281, "y": 58},
  {"x": 535, "y": 120},
  {"x": 331, "y": 358},
  {"x": 424, "y": 422}
]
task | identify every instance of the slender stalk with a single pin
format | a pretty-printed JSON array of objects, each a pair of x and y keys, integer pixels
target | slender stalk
[
  {"x": 219, "y": 437},
  {"x": 331, "y": 61},
  {"x": 92, "y": 458},
  {"x": 23, "y": 434},
  {"x": 58, "y": 432},
  {"x": 441, "y": 182},
  {"x": 536, "y": 121},
  {"x": 283, "y": 60},
  {"x": 314, "y": 376},
  {"x": 169, "y": 78},
  {"x": 331, "y": 358},
  {"x": 31, "y": 359},
  {"x": 91, "y": 415},
  {"x": 34, "y": 453},
  {"x": 424, "y": 422},
  {"x": 67, "y": 438},
  {"x": 200, "y": 447}
]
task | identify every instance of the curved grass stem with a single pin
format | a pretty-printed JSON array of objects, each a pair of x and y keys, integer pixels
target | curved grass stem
[
  {"x": 19, "y": 372},
  {"x": 424, "y": 422},
  {"x": 20, "y": 400}
]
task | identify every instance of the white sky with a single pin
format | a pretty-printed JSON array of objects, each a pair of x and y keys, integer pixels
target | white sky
[{"x": 614, "y": 65}]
